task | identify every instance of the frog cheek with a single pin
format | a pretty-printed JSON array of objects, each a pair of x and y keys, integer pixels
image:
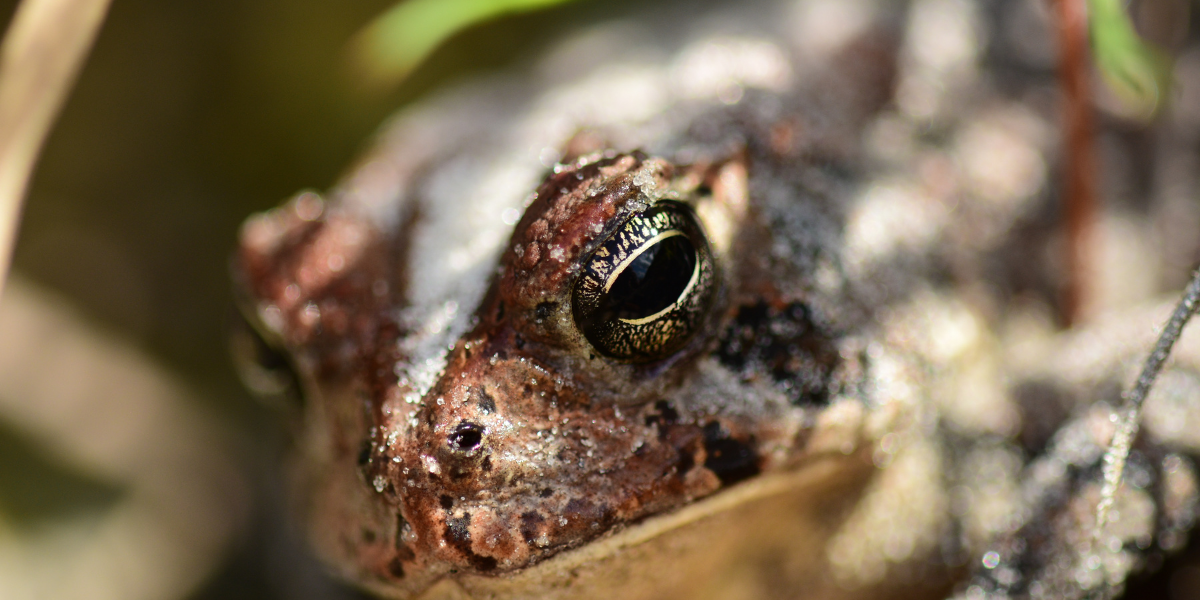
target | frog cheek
[{"x": 645, "y": 291}]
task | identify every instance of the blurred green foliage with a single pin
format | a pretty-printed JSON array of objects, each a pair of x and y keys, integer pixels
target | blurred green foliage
[
  {"x": 392, "y": 45},
  {"x": 1138, "y": 72}
]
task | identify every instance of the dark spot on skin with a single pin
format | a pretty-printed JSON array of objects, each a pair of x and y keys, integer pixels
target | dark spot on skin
[
  {"x": 518, "y": 342},
  {"x": 466, "y": 437},
  {"x": 486, "y": 465},
  {"x": 545, "y": 493},
  {"x": 368, "y": 536},
  {"x": 458, "y": 531},
  {"x": 500, "y": 311},
  {"x": 485, "y": 402},
  {"x": 446, "y": 502},
  {"x": 586, "y": 513},
  {"x": 364, "y": 454},
  {"x": 458, "y": 535},
  {"x": 530, "y": 523},
  {"x": 396, "y": 568},
  {"x": 543, "y": 310},
  {"x": 666, "y": 415},
  {"x": 731, "y": 460},
  {"x": 607, "y": 516},
  {"x": 713, "y": 431},
  {"x": 788, "y": 343},
  {"x": 575, "y": 508},
  {"x": 668, "y": 412},
  {"x": 686, "y": 461}
]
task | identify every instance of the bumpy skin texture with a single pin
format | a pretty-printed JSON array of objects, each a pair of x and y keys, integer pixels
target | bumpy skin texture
[
  {"x": 522, "y": 447},
  {"x": 529, "y": 441},
  {"x": 458, "y": 429}
]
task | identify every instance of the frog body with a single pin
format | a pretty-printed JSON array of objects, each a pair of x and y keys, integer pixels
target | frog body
[{"x": 479, "y": 418}]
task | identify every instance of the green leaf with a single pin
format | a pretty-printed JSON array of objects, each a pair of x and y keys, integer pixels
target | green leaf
[
  {"x": 392, "y": 45},
  {"x": 1138, "y": 72}
]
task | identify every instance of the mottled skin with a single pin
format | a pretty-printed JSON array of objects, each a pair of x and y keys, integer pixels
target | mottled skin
[
  {"x": 524, "y": 449},
  {"x": 532, "y": 442},
  {"x": 454, "y": 440}
]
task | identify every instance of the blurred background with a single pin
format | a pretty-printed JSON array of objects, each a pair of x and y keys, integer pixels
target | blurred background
[{"x": 132, "y": 462}]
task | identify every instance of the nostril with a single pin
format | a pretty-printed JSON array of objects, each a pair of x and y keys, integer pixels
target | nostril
[
  {"x": 543, "y": 311},
  {"x": 466, "y": 437}
]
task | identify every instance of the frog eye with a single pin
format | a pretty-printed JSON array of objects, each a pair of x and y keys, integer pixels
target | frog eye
[{"x": 645, "y": 290}]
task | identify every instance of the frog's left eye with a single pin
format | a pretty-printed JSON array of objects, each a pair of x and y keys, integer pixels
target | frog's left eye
[{"x": 645, "y": 290}]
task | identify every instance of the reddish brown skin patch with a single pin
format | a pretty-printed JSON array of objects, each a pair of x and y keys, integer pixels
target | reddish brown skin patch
[
  {"x": 528, "y": 444},
  {"x": 513, "y": 456},
  {"x": 567, "y": 208},
  {"x": 319, "y": 272}
]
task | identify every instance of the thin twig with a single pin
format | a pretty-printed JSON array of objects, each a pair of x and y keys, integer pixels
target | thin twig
[
  {"x": 1131, "y": 406},
  {"x": 1079, "y": 186},
  {"x": 39, "y": 59}
]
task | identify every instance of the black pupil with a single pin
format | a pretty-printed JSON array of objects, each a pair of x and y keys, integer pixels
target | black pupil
[{"x": 652, "y": 282}]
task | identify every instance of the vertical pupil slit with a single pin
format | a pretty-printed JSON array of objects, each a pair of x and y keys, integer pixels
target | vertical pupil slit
[{"x": 652, "y": 281}]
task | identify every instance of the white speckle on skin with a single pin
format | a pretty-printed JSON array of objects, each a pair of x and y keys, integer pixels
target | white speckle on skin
[
  {"x": 310, "y": 315},
  {"x": 291, "y": 293},
  {"x": 431, "y": 464},
  {"x": 336, "y": 262},
  {"x": 308, "y": 206}
]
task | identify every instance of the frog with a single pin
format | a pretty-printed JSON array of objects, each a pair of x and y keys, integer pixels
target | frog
[{"x": 693, "y": 309}]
